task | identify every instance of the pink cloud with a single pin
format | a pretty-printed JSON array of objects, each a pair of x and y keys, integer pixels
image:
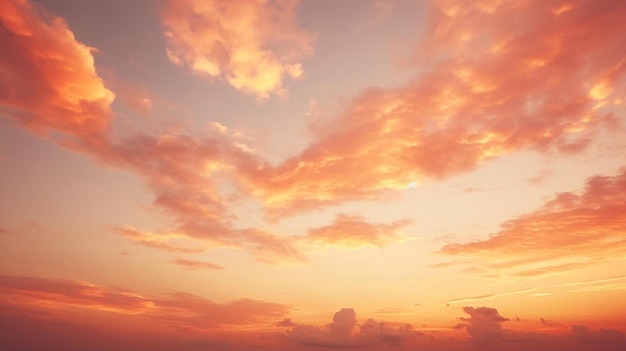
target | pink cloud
[
  {"x": 182, "y": 170},
  {"x": 156, "y": 241},
  {"x": 193, "y": 264},
  {"x": 488, "y": 88},
  {"x": 37, "y": 86},
  {"x": 585, "y": 227},
  {"x": 460, "y": 113},
  {"x": 341, "y": 332},
  {"x": 355, "y": 232},
  {"x": 180, "y": 319},
  {"x": 178, "y": 309},
  {"x": 253, "y": 45},
  {"x": 44, "y": 95}
]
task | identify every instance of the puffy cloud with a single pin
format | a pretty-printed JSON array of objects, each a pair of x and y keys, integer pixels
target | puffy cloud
[
  {"x": 48, "y": 81},
  {"x": 484, "y": 323},
  {"x": 340, "y": 333},
  {"x": 394, "y": 334},
  {"x": 343, "y": 323},
  {"x": 488, "y": 88},
  {"x": 185, "y": 172},
  {"x": 587, "y": 227},
  {"x": 355, "y": 232},
  {"x": 38, "y": 303},
  {"x": 491, "y": 296},
  {"x": 468, "y": 106},
  {"x": 253, "y": 45}
]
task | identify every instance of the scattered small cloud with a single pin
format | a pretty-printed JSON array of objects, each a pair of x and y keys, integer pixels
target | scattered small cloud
[
  {"x": 540, "y": 178},
  {"x": 193, "y": 264},
  {"x": 356, "y": 232}
]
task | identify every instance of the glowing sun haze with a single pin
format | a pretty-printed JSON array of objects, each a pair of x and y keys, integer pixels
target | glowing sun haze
[{"x": 313, "y": 174}]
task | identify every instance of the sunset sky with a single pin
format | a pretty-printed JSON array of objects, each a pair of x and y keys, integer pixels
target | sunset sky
[{"x": 309, "y": 175}]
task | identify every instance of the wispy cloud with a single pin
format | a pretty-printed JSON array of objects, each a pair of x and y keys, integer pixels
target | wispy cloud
[
  {"x": 593, "y": 281},
  {"x": 158, "y": 241},
  {"x": 181, "y": 169},
  {"x": 193, "y": 264},
  {"x": 178, "y": 309},
  {"x": 540, "y": 177},
  {"x": 355, "y": 232},
  {"x": 489, "y": 297},
  {"x": 570, "y": 231}
]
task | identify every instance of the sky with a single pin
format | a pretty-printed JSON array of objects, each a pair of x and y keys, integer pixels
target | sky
[{"x": 311, "y": 175}]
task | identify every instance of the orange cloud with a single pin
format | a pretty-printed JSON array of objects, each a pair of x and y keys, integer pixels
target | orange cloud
[
  {"x": 355, "y": 232},
  {"x": 179, "y": 309},
  {"x": 488, "y": 89},
  {"x": 193, "y": 264},
  {"x": 179, "y": 320},
  {"x": 569, "y": 231},
  {"x": 39, "y": 89},
  {"x": 253, "y": 45},
  {"x": 185, "y": 172},
  {"x": 48, "y": 81},
  {"x": 156, "y": 241},
  {"x": 460, "y": 113}
]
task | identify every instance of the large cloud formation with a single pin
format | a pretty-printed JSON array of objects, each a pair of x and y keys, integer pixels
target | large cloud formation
[
  {"x": 488, "y": 88},
  {"x": 253, "y": 45},
  {"x": 48, "y": 81},
  {"x": 497, "y": 77},
  {"x": 50, "y": 85}
]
